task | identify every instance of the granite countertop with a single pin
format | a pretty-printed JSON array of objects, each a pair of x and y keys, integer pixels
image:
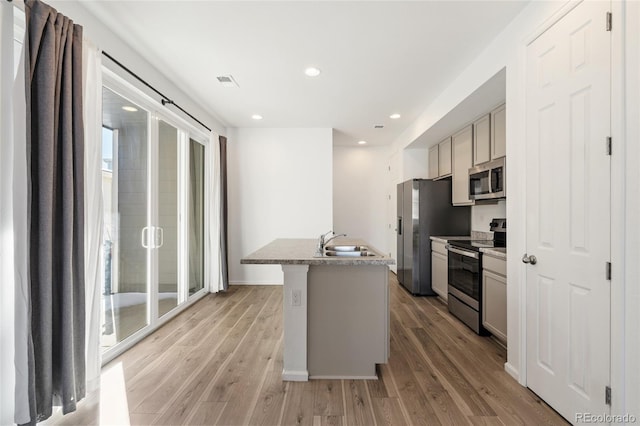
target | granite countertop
[
  {"x": 445, "y": 239},
  {"x": 497, "y": 252},
  {"x": 296, "y": 251}
]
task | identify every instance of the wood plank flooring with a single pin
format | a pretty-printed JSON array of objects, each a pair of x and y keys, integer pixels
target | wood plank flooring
[{"x": 220, "y": 362}]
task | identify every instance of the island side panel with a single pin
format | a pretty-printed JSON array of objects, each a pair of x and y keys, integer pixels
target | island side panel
[
  {"x": 295, "y": 323},
  {"x": 348, "y": 313}
]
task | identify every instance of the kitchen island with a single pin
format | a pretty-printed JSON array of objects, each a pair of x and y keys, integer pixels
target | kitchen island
[{"x": 336, "y": 309}]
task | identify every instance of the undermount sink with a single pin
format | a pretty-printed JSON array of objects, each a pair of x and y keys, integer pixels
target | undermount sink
[
  {"x": 345, "y": 253},
  {"x": 346, "y": 248}
]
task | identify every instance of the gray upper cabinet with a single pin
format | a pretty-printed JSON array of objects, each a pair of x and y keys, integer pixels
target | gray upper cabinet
[
  {"x": 444, "y": 158},
  {"x": 498, "y": 132},
  {"x": 462, "y": 153},
  {"x": 433, "y": 162},
  {"x": 440, "y": 160},
  {"x": 482, "y": 140}
]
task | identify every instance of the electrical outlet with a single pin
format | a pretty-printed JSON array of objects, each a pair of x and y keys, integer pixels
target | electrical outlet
[{"x": 296, "y": 298}]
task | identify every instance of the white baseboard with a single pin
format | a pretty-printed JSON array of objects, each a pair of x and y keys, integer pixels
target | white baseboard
[
  {"x": 253, "y": 283},
  {"x": 511, "y": 370},
  {"x": 295, "y": 376},
  {"x": 321, "y": 377}
]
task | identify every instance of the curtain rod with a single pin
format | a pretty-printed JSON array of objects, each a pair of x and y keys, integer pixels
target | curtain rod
[
  {"x": 18, "y": 3},
  {"x": 165, "y": 100}
]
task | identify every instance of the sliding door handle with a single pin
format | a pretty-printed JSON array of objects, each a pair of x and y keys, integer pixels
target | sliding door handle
[
  {"x": 159, "y": 239},
  {"x": 144, "y": 237}
]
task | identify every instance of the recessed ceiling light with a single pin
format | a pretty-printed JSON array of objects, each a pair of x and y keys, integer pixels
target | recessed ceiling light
[
  {"x": 256, "y": 117},
  {"x": 312, "y": 72},
  {"x": 129, "y": 108},
  {"x": 394, "y": 116},
  {"x": 362, "y": 142}
]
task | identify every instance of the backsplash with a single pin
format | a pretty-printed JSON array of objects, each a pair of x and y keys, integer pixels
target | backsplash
[
  {"x": 481, "y": 235},
  {"x": 482, "y": 214}
]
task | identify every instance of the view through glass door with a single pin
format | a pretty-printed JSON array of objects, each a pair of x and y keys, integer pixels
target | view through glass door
[
  {"x": 166, "y": 232},
  {"x": 195, "y": 215},
  {"x": 154, "y": 193},
  {"x": 126, "y": 232}
]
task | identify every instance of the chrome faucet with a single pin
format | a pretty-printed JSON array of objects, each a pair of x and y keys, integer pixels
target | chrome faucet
[
  {"x": 335, "y": 236},
  {"x": 322, "y": 241}
]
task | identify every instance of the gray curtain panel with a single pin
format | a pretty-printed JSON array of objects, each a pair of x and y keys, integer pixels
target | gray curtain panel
[
  {"x": 223, "y": 211},
  {"x": 55, "y": 152}
]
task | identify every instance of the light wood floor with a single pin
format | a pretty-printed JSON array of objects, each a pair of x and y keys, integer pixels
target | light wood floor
[{"x": 220, "y": 362}]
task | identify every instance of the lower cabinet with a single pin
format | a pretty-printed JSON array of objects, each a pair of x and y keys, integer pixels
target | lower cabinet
[
  {"x": 439, "y": 269},
  {"x": 347, "y": 320},
  {"x": 494, "y": 297}
]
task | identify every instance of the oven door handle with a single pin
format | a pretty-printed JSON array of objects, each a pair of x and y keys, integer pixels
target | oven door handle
[{"x": 462, "y": 252}]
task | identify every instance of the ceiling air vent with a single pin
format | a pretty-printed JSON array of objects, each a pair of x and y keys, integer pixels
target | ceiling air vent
[
  {"x": 378, "y": 126},
  {"x": 227, "y": 81}
]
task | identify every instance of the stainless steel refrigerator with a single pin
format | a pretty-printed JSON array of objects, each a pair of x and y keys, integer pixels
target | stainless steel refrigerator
[{"x": 424, "y": 209}]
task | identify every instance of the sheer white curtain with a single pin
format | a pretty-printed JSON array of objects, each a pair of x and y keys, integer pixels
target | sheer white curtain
[
  {"x": 7, "y": 293},
  {"x": 93, "y": 212},
  {"x": 14, "y": 406},
  {"x": 215, "y": 217}
]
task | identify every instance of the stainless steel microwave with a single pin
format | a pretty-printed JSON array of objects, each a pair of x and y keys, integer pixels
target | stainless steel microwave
[{"x": 487, "y": 181}]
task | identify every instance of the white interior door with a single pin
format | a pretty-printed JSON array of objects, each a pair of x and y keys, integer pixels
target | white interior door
[
  {"x": 392, "y": 208},
  {"x": 568, "y": 212}
]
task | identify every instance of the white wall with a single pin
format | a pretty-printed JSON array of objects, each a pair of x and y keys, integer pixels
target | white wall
[
  {"x": 280, "y": 184},
  {"x": 108, "y": 40},
  {"x": 360, "y": 193},
  {"x": 482, "y": 214}
]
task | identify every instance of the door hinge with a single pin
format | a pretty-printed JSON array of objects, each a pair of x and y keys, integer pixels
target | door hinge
[
  {"x": 609, "y": 147},
  {"x": 607, "y": 395},
  {"x": 609, "y": 21},
  {"x": 607, "y": 270}
]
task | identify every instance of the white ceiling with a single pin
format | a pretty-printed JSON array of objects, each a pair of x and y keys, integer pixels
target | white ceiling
[{"x": 377, "y": 58}]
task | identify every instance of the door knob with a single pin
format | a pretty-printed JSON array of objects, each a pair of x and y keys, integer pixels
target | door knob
[{"x": 529, "y": 259}]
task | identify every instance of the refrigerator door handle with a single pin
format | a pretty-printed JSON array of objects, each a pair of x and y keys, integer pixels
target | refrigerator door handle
[{"x": 399, "y": 225}]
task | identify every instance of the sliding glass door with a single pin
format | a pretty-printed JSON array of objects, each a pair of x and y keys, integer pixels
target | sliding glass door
[
  {"x": 154, "y": 192},
  {"x": 196, "y": 215},
  {"x": 125, "y": 188},
  {"x": 167, "y": 220}
]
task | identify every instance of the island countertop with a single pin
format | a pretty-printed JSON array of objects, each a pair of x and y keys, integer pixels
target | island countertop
[{"x": 294, "y": 251}]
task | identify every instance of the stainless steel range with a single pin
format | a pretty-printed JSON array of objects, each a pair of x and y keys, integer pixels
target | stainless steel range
[{"x": 465, "y": 275}]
